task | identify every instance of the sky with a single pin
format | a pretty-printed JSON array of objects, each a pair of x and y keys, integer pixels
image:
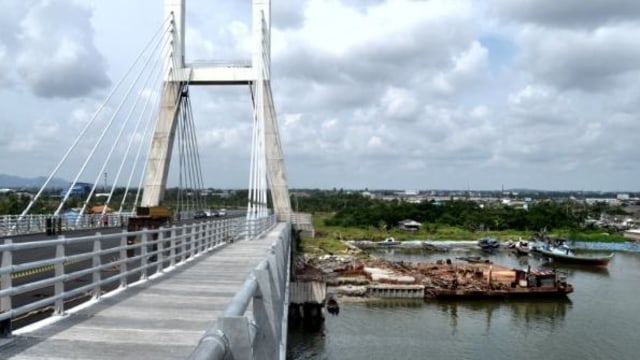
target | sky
[{"x": 396, "y": 94}]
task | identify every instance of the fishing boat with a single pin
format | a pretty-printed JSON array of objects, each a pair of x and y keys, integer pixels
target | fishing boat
[
  {"x": 522, "y": 248},
  {"x": 390, "y": 241},
  {"x": 488, "y": 243},
  {"x": 567, "y": 255},
  {"x": 332, "y": 305}
]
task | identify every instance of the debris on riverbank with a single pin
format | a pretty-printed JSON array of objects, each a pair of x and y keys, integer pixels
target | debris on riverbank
[{"x": 351, "y": 276}]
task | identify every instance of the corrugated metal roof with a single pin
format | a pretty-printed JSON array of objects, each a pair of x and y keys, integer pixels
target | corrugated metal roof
[{"x": 307, "y": 292}]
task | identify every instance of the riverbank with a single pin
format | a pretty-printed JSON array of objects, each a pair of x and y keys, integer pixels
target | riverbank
[{"x": 331, "y": 239}]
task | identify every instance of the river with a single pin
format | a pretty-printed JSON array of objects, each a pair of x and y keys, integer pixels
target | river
[{"x": 599, "y": 320}]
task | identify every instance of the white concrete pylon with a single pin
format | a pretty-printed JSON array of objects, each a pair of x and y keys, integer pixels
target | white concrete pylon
[{"x": 270, "y": 163}]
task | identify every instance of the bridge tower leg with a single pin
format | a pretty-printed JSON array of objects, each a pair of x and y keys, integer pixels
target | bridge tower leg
[
  {"x": 164, "y": 134},
  {"x": 162, "y": 145},
  {"x": 276, "y": 171}
]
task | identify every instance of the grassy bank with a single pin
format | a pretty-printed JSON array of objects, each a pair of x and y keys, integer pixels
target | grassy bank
[{"x": 328, "y": 238}]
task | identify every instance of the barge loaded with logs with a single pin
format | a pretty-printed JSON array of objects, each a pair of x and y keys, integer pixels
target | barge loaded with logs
[
  {"x": 444, "y": 279},
  {"x": 524, "y": 284}
]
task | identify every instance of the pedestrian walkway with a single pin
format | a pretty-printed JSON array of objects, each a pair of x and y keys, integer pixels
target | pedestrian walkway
[{"x": 162, "y": 318}]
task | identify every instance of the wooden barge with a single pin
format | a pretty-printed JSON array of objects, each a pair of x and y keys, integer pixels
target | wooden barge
[
  {"x": 525, "y": 284},
  {"x": 514, "y": 293},
  {"x": 443, "y": 279}
]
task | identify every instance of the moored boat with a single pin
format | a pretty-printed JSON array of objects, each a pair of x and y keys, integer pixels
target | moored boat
[
  {"x": 522, "y": 248},
  {"x": 390, "y": 241},
  {"x": 567, "y": 255},
  {"x": 488, "y": 243},
  {"x": 332, "y": 305}
]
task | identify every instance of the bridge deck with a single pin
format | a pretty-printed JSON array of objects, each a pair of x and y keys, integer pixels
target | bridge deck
[{"x": 162, "y": 318}]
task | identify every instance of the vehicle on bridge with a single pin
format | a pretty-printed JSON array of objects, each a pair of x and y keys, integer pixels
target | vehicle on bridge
[
  {"x": 201, "y": 214},
  {"x": 152, "y": 217}
]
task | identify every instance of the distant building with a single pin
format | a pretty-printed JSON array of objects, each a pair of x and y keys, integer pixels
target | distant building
[
  {"x": 79, "y": 189},
  {"x": 98, "y": 209},
  {"x": 632, "y": 234},
  {"x": 367, "y": 194},
  {"x": 409, "y": 225}
]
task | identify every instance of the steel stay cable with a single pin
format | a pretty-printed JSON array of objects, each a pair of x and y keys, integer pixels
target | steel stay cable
[
  {"x": 191, "y": 149},
  {"x": 138, "y": 100},
  {"x": 119, "y": 135},
  {"x": 170, "y": 73},
  {"x": 141, "y": 120},
  {"x": 86, "y": 127},
  {"x": 195, "y": 141},
  {"x": 101, "y": 137}
]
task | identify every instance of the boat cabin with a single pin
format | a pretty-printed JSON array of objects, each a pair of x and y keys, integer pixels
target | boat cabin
[{"x": 538, "y": 278}]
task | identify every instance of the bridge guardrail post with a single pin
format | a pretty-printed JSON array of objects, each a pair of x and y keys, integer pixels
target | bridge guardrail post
[
  {"x": 172, "y": 249},
  {"x": 143, "y": 252},
  {"x": 217, "y": 232},
  {"x": 6, "y": 283},
  {"x": 160, "y": 246},
  {"x": 58, "y": 287},
  {"x": 224, "y": 231},
  {"x": 240, "y": 333},
  {"x": 206, "y": 236},
  {"x": 123, "y": 256},
  {"x": 192, "y": 242},
  {"x": 183, "y": 243},
  {"x": 199, "y": 237},
  {"x": 209, "y": 243},
  {"x": 96, "y": 262},
  {"x": 265, "y": 344},
  {"x": 214, "y": 233},
  {"x": 274, "y": 276},
  {"x": 280, "y": 277}
]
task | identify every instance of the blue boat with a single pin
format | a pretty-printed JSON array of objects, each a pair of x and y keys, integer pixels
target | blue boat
[{"x": 488, "y": 243}]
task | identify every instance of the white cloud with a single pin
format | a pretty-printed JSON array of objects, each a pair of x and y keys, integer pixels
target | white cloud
[
  {"x": 57, "y": 57},
  {"x": 569, "y": 13},
  {"x": 399, "y": 104},
  {"x": 5, "y": 79},
  {"x": 591, "y": 60},
  {"x": 378, "y": 94}
]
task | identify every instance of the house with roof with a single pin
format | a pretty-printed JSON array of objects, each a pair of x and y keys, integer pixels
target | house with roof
[{"x": 409, "y": 225}]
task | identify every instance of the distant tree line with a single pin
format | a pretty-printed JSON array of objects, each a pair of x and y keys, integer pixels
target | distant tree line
[
  {"x": 355, "y": 210},
  {"x": 12, "y": 203}
]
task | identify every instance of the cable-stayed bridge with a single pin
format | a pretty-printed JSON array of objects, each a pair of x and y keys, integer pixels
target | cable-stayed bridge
[{"x": 204, "y": 289}]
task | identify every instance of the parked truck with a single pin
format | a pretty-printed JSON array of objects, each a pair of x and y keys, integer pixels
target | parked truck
[{"x": 148, "y": 217}]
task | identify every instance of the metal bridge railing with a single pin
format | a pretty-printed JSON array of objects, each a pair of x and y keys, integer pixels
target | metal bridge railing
[
  {"x": 32, "y": 224},
  {"x": 261, "y": 335},
  {"x": 101, "y": 262},
  {"x": 47, "y": 223}
]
